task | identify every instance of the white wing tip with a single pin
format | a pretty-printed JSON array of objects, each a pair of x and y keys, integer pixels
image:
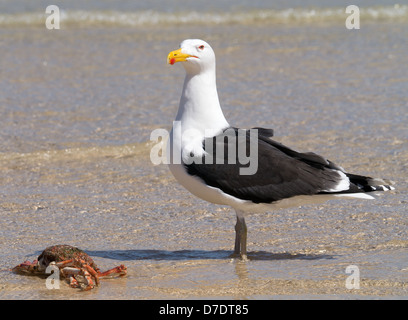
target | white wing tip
[{"x": 359, "y": 195}]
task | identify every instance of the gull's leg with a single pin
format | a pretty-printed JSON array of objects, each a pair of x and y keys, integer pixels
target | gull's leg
[
  {"x": 240, "y": 236},
  {"x": 243, "y": 239},
  {"x": 237, "y": 247}
]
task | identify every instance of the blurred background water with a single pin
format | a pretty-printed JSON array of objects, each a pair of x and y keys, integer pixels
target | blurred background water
[{"x": 78, "y": 104}]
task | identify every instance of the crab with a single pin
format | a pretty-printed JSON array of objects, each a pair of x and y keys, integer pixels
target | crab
[{"x": 74, "y": 265}]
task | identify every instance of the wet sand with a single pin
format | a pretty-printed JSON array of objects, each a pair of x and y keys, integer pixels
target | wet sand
[{"x": 78, "y": 107}]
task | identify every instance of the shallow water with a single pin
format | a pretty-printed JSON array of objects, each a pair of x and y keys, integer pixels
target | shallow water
[{"x": 77, "y": 109}]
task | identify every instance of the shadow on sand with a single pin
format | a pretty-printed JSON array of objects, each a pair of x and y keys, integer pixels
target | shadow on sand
[{"x": 199, "y": 255}]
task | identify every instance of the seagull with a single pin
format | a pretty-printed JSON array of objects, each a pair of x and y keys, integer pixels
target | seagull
[{"x": 244, "y": 168}]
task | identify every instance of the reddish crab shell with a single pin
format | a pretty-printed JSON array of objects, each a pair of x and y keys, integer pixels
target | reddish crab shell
[{"x": 65, "y": 252}]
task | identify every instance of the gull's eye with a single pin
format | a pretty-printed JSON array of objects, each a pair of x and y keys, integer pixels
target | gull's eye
[{"x": 201, "y": 47}]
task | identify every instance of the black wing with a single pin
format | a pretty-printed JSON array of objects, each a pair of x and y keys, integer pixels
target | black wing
[{"x": 281, "y": 172}]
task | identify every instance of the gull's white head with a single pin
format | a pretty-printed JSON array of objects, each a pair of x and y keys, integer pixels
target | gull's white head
[{"x": 195, "y": 55}]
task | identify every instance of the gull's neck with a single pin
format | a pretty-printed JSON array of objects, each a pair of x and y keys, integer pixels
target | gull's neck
[{"x": 199, "y": 107}]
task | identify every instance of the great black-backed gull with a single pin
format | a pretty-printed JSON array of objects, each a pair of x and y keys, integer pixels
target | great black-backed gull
[{"x": 213, "y": 160}]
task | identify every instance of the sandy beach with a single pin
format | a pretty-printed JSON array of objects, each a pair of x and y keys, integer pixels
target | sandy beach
[{"x": 77, "y": 108}]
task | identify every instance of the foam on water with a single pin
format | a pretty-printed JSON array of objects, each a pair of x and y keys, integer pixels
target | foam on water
[
  {"x": 77, "y": 109},
  {"x": 154, "y": 17}
]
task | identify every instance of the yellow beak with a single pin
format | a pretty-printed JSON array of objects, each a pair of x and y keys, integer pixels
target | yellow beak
[{"x": 177, "y": 56}]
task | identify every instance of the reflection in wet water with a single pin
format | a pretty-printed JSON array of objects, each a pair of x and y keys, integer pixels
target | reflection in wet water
[{"x": 78, "y": 108}]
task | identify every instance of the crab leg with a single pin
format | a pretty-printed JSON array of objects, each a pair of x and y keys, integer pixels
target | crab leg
[
  {"x": 65, "y": 263},
  {"x": 91, "y": 272},
  {"x": 68, "y": 271},
  {"x": 71, "y": 272},
  {"x": 26, "y": 267},
  {"x": 73, "y": 282},
  {"x": 88, "y": 278},
  {"x": 114, "y": 272}
]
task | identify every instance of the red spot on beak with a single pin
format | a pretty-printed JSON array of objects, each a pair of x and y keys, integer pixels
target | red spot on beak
[{"x": 172, "y": 61}]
